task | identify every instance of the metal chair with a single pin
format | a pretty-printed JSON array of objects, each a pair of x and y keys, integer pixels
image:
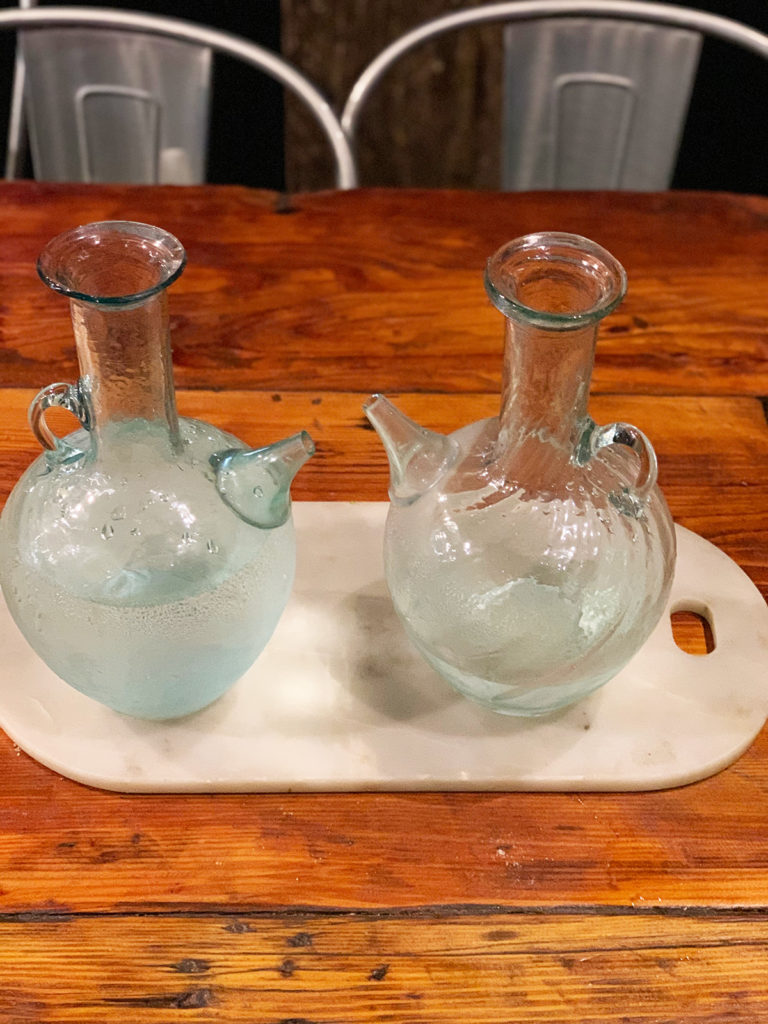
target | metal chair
[
  {"x": 142, "y": 117},
  {"x": 595, "y": 94}
]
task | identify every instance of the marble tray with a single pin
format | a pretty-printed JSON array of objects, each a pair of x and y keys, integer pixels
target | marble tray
[{"x": 339, "y": 700}]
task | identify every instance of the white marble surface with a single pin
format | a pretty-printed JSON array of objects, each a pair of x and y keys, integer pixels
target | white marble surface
[{"x": 339, "y": 700}]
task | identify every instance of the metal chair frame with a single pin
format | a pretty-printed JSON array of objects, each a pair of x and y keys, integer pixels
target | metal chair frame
[
  {"x": 184, "y": 31},
  {"x": 531, "y": 10}
]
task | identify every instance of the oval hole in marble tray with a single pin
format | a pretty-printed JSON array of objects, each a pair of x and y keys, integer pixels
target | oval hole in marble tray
[{"x": 692, "y": 632}]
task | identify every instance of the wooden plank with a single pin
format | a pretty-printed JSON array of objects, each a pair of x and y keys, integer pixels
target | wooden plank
[
  {"x": 527, "y": 968},
  {"x": 350, "y": 463},
  {"x": 382, "y": 290},
  {"x": 67, "y": 848}
]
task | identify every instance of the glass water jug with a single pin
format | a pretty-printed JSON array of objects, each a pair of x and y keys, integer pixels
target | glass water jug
[
  {"x": 145, "y": 557},
  {"x": 530, "y": 555}
]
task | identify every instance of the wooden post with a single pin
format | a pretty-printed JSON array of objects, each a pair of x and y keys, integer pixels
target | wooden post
[{"x": 435, "y": 117}]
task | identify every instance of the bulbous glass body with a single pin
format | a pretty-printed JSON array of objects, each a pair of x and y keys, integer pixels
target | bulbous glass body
[
  {"x": 527, "y": 596},
  {"x": 530, "y": 556},
  {"x": 122, "y": 560},
  {"x": 132, "y": 579}
]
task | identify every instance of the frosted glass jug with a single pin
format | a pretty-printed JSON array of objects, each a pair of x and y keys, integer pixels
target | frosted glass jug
[
  {"x": 530, "y": 555},
  {"x": 145, "y": 557}
]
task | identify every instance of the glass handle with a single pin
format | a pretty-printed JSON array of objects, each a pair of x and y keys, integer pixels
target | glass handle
[
  {"x": 632, "y": 437},
  {"x": 63, "y": 396}
]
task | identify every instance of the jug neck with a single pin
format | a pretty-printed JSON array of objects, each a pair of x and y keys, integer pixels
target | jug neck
[
  {"x": 125, "y": 364},
  {"x": 115, "y": 274},
  {"x": 553, "y": 289},
  {"x": 545, "y": 384}
]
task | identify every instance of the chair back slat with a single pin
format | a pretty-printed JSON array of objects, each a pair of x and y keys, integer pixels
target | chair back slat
[{"x": 589, "y": 103}]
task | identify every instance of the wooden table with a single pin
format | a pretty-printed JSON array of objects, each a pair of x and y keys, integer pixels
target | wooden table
[{"x": 470, "y": 907}]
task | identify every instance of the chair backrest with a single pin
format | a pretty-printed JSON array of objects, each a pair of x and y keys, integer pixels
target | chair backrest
[
  {"x": 123, "y": 96},
  {"x": 595, "y": 94},
  {"x": 107, "y": 106},
  {"x": 594, "y": 103}
]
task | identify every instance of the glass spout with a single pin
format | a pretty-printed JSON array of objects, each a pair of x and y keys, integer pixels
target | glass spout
[
  {"x": 417, "y": 457},
  {"x": 256, "y": 484}
]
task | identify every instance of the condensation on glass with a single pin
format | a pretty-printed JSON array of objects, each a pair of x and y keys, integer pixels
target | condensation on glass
[{"x": 146, "y": 557}]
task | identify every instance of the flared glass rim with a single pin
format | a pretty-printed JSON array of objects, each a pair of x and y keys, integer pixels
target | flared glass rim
[
  {"x": 555, "y": 246},
  {"x": 57, "y": 255}
]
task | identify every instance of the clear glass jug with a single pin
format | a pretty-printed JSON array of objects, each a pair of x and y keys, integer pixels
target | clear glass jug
[
  {"x": 145, "y": 557},
  {"x": 530, "y": 556}
]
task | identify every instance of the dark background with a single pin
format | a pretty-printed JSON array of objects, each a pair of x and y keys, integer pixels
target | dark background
[{"x": 725, "y": 146}]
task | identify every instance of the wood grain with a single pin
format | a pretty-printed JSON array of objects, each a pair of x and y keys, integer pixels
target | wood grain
[
  {"x": 529, "y": 969},
  {"x": 693, "y": 633},
  {"x": 68, "y": 849},
  {"x": 393, "y": 300},
  {"x": 687, "y": 433},
  {"x": 640, "y": 907},
  {"x": 407, "y": 119}
]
